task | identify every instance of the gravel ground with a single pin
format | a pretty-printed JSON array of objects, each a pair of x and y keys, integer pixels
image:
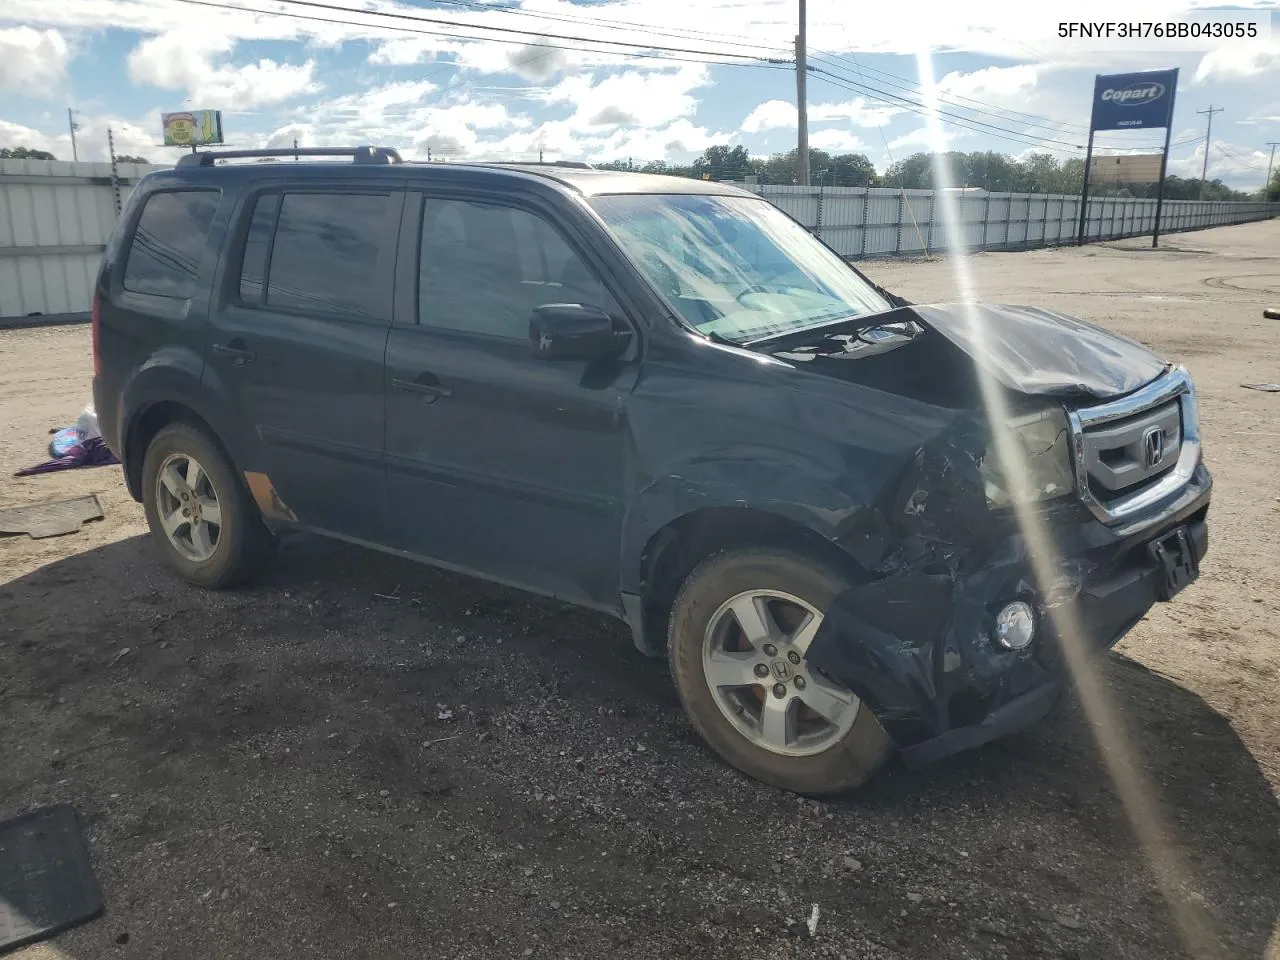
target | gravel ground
[{"x": 305, "y": 769}]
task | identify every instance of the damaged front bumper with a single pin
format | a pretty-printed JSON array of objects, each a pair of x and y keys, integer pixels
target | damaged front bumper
[{"x": 917, "y": 645}]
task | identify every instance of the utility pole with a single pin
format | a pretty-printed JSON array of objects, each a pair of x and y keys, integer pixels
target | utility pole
[
  {"x": 115, "y": 171},
  {"x": 71, "y": 122},
  {"x": 1273, "y": 144},
  {"x": 1204, "y": 173},
  {"x": 802, "y": 105}
]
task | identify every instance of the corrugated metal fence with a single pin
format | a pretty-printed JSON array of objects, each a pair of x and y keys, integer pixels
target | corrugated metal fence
[
  {"x": 55, "y": 218},
  {"x": 860, "y": 222}
]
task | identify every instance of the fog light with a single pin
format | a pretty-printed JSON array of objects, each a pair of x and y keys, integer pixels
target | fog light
[{"x": 1015, "y": 625}]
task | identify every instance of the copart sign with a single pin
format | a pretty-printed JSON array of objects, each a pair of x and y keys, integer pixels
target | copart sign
[{"x": 1125, "y": 101}]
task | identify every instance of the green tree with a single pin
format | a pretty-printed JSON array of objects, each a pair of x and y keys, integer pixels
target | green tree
[
  {"x": 126, "y": 158},
  {"x": 1271, "y": 192},
  {"x": 845, "y": 170},
  {"x": 913, "y": 173},
  {"x": 25, "y": 153},
  {"x": 724, "y": 163}
]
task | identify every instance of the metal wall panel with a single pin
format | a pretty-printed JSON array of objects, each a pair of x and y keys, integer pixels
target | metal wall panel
[{"x": 55, "y": 216}]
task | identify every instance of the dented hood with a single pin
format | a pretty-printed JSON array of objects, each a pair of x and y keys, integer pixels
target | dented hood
[{"x": 1038, "y": 351}]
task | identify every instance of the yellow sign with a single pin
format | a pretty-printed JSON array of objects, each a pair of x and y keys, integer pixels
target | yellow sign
[{"x": 192, "y": 129}]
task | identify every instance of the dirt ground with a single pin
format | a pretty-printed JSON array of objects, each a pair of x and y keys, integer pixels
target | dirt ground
[{"x": 305, "y": 769}]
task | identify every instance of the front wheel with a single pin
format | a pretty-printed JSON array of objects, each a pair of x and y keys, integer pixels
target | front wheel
[{"x": 740, "y": 629}]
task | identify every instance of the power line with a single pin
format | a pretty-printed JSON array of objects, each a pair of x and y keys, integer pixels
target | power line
[
  {"x": 968, "y": 123},
  {"x": 513, "y": 30},
  {"x": 910, "y": 86},
  {"x": 740, "y": 60},
  {"x": 996, "y": 112},
  {"x": 1207, "y": 134},
  {"x": 671, "y": 33}
]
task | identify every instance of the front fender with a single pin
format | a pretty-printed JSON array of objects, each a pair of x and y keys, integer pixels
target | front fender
[{"x": 809, "y": 500}]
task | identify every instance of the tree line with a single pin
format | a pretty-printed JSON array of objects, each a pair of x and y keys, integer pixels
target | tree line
[
  {"x": 27, "y": 153},
  {"x": 994, "y": 172}
]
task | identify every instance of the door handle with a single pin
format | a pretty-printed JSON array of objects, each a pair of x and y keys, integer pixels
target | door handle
[
  {"x": 430, "y": 391},
  {"x": 236, "y": 350}
]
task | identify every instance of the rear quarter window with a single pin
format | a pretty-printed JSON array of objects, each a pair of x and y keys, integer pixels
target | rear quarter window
[{"x": 164, "y": 254}]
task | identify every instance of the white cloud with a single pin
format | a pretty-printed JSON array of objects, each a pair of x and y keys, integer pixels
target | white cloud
[
  {"x": 642, "y": 98},
  {"x": 1007, "y": 86},
  {"x": 32, "y": 61},
  {"x": 302, "y": 134},
  {"x": 1233, "y": 163},
  {"x": 770, "y": 115},
  {"x": 132, "y": 138},
  {"x": 1230, "y": 63},
  {"x": 781, "y": 114},
  {"x": 857, "y": 111},
  {"x": 836, "y": 141},
  {"x": 180, "y": 61}
]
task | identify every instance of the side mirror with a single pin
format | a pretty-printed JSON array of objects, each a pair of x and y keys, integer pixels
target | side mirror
[{"x": 574, "y": 331}]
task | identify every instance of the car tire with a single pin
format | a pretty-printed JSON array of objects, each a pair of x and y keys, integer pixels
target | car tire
[
  {"x": 229, "y": 551},
  {"x": 824, "y": 756}
]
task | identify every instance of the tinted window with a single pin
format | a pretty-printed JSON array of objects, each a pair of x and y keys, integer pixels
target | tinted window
[
  {"x": 325, "y": 253},
  {"x": 484, "y": 268},
  {"x": 257, "y": 246},
  {"x": 164, "y": 258}
]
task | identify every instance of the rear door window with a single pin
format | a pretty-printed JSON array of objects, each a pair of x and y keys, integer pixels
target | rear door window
[
  {"x": 164, "y": 256},
  {"x": 325, "y": 253}
]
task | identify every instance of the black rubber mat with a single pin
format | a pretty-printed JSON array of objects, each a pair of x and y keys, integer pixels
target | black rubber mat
[
  {"x": 50, "y": 519},
  {"x": 46, "y": 883}
]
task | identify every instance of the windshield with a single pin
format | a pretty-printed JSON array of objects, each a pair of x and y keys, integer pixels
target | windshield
[{"x": 736, "y": 267}]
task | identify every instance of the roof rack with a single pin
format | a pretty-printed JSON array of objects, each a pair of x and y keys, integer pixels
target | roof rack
[
  {"x": 207, "y": 158},
  {"x": 576, "y": 164}
]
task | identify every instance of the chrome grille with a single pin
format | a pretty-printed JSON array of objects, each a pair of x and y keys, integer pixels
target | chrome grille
[
  {"x": 1134, "y": 452},
  {"x": 1129, "y": 452}
]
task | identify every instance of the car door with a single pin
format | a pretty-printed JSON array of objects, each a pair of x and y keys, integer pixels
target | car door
[
  {"x": 298, "y": 343},
  {"x": 499, "y": 462}
]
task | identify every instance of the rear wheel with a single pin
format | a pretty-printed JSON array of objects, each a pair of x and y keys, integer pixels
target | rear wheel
[
  {"x": 199, "y": 512},
  {"x": 739, "y": 634}
]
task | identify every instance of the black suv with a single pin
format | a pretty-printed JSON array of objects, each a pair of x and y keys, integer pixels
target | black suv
[{"x": 852, "y": 524}]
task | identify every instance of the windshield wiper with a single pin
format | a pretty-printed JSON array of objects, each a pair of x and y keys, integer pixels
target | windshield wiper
[
  {"x": 724, "y": 341},
  {"x": 793, "y": 338}
]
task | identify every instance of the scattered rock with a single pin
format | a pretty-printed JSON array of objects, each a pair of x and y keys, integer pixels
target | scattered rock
[
  {"x": 852, "y": 864},
  {"x": 123, "y": 938},
  {"x": 915, "y": 897},
  {"x": 1071, "y": 923}
]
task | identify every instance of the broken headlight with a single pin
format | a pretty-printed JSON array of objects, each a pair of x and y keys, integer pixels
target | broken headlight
[{"x": 1031, "y": 460}]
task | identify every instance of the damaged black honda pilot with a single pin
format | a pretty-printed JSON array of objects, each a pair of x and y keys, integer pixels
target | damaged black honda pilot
[{"x": 658, "y": 398}]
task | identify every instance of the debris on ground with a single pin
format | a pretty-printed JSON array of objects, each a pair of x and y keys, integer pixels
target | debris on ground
[
  {"x": 1264, "y": 387},
  {"x": 53, "y": 518},
  {"x": 73, "y": 447}
]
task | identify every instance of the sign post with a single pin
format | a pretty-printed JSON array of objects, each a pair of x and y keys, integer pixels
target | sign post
[{"x": 1130, "y": 101}]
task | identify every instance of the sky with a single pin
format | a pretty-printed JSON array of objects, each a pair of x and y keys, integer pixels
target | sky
[{"x": 617, "y": 79}]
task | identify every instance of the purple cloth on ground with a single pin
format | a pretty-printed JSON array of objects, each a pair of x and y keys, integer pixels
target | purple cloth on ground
[{"x": 91, "y": 453}]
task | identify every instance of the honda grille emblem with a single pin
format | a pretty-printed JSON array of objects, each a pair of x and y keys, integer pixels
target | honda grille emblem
[{"x": 1153, "y": 447}]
